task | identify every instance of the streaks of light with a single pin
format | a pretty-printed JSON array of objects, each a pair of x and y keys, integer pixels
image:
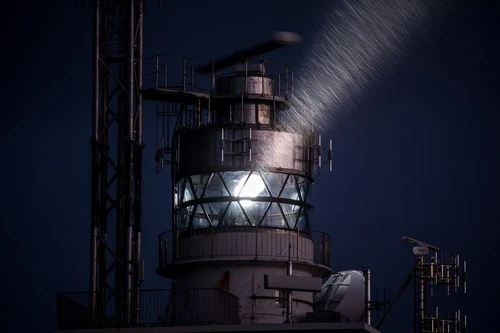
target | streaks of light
[{"x": 357, "y": 40}]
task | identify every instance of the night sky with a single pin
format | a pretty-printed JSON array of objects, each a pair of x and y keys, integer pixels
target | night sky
[{"x": 417, "y": 155}]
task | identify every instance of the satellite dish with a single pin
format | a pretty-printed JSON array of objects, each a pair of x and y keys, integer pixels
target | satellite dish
[{"x": 343, "y": 292}]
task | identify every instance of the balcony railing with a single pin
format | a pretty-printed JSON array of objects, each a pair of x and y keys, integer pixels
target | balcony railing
[
  {"x": 156, "y": 308},
  {"x": 251, "y": 242}
]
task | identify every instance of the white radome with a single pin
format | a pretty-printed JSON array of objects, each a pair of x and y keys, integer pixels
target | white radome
[{"x": 343, "y": 292}]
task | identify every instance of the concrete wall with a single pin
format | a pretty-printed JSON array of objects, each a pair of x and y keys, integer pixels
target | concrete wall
[
  {"x": 236, "y": 263},
  {"x": 246, "y": 281}
]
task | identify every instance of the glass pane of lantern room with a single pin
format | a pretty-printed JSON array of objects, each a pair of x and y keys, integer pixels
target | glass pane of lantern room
[
  {"x": 234, "y": 180},
  {"x": 186, "y": 190},
  {"x": 251, "y": 186},
  {"x": 181, "y": 189},
  {"x": 234, "y": 216},
  {"x": 274, "y": 181},
  {"x": 215, "y": 187},
  {"x": 255, "y": 211},
  {"x": 183, "y": 215},
  {"x": 290, "y": 189},
  {"x": 215, "y": 211},
  {"x": 302, "y": 223},
  {"x": 274, "y": 218},
  {"x": 291, "y": 213},
  {"x": 198, "y": 182},
  {"x": 200, "y": 219},
  {"x": 303, "y": 184}
]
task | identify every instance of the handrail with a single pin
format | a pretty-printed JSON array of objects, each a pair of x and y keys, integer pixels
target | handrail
[
  {"x": 158, "y": 307},
  {"x": 265, "y": 243},
  {"x": 160, "y": 67}
]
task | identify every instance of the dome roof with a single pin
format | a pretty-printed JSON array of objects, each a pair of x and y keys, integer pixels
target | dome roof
[{"x": 343, "y": 292}]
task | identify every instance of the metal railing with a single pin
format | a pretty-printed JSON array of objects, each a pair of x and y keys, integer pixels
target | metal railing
[
  {"x": 161, "y": 75},
  {"x": 203, "y": 306},
  {"x": 252, "y": 242},
  {"x": 158, "y": 307}
]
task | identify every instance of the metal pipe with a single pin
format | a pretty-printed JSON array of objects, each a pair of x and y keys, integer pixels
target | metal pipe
[
  {"x": 279, "y": 84},
  {"x": 465, "y": 277},
  {"x": 95, "y": 139},
  {"x": 411, "y": 276},
  {"x": 97, "y": 40},
  {"x": 250, "y": 145},
  {"x": 192, "y": 78},
  {"x": 199, "y": 113},
  {"x": 286, "y": 81},
  {"x": 436, "y": 320},
  {"x": 319, "y": 150},
  {"x": 212, "y": 78},
  {"x": 459, "y": 319},
  {"x": 262, "y": 79},
  {"x": 138, "y": 155},
  {"x": 431, "y": 269},
  {"x": 93, "y": 271},
  {"x": 448, "y": 280},
  {"x": 129, "y": 160},
  {"x": 274, "y": 111},
  {"x": 184, "y": 74},
  {"x": 421, "y": 298},
  {"x": 242, "y": 108},
  {"x": 127, "y": 272},
  {"x": 209, "y": 115},
  {"x": 289, "y": 293},
  {"x": 415, "y": 300},
  {"x": 367, "y": 296},
  {"x": 138, "y": 68},
  {"x": 157, "y": 72},
  {"x": 436, "y": 272},
  {"x": 222, "y": 145},
  {"x": 330, "y": 155},
  {"x": 297, "y": 240},
  {"x": 246, "y": 79},
  {"x": 166, "y": 77},
  {"x": 131, "y": 63}
]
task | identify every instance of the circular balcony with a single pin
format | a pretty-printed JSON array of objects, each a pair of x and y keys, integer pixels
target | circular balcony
[{"x": 183, "y": 248}]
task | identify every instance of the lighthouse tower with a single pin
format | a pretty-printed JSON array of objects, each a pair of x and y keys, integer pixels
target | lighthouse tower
[{"x": 241, "y": 248}]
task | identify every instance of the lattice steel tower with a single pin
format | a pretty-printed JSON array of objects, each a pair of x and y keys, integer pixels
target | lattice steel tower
[{"x": 116, "y": 161}]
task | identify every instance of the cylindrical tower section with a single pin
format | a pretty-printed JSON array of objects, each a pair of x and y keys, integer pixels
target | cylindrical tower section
[
  {"x": 254, "y": 110},
  {"x": 241, "y": 208}
]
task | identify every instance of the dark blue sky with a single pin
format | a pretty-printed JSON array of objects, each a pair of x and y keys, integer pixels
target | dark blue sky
[{"x": 418, "y": 155}]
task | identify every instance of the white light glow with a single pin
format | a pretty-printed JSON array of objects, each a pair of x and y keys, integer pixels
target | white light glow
[{"x": 249, "y": 187}]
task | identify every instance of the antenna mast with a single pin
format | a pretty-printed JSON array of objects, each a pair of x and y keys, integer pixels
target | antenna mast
[
  {"x": 436, "y": 271},
  {"x": 116, "y": 142}
]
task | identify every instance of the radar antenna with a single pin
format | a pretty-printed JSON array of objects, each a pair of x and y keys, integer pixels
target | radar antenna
[{"x": 278, "y": 39}]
